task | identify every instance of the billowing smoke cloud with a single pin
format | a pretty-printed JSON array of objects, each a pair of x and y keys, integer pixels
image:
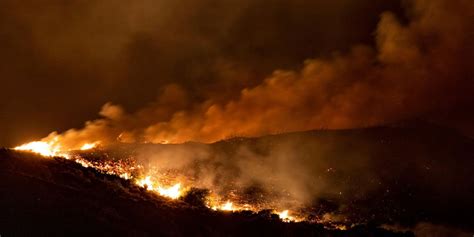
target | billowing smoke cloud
[
  {"x": 61, "y": 61},
  {"x": 415, "y": 69}
]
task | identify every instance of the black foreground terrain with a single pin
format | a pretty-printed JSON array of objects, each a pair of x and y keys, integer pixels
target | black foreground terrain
[{"x": 53, "y": 197}]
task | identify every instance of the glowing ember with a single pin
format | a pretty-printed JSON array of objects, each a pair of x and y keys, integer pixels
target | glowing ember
[
  {"x": 82, "y": 162},
  {"x": 172, "y": 192},
  {"x": 88, "y": 146}
]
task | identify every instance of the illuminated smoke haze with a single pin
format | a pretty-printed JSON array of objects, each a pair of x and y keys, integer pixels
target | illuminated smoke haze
[{"x": 417, "y": 68}]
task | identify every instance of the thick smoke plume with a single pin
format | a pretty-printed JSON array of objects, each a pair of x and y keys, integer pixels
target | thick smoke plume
[{"x": 415, "y": 69}]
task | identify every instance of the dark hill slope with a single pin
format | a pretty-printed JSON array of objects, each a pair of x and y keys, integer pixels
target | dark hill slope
[
  {"x": 55, "y": 197},
  {"x": 405, "y": 173}
]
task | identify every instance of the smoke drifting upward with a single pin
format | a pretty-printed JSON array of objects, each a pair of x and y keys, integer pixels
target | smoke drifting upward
[{"x": 417, "y": 68}]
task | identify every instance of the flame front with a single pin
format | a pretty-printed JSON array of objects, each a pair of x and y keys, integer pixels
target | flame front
[
  {"x": 145, "y": 183},
  {"x": 88, "y": 146},
  {"x": 227, "y": 206},
  {"x": 173, "y": 192},
  {"x": 283, "y": 215},
  {"x": 48, "y": 149},
  {"x": 286, "y": 217}
]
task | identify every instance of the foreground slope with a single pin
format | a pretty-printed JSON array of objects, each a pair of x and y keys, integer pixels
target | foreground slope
[{"x": 53, "y": 196}]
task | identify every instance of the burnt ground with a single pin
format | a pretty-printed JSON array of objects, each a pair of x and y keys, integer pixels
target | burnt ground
[{"x": 53, "y": 197}]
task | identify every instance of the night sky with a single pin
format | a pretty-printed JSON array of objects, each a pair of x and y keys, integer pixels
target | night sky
[{"x": 205, "y": 70}]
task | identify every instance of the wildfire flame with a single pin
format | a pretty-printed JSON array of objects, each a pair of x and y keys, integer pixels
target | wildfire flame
[
  {"x": 227, "y": 206},
  {"x": 145, "y": 183},
  {"x": 286, "y": 217},
  {"x": 88, "y": 146},
  {"x": 283, "y": 215},
  {"x": 48, "y": 149},
  {"x": 173, "y": 192},
  {"x": 230, "y": 206}
]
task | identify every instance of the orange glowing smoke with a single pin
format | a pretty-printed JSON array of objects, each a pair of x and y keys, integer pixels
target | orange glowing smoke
[{"x": 364, "y": 87}]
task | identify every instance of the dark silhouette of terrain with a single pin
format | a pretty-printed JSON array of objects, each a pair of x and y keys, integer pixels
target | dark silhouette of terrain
[
  {"x": 54, "y": 197},
  {"x": 403, "y": 173}
]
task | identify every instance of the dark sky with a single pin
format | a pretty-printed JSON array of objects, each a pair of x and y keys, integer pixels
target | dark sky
[{"x": 61, "y": 61}]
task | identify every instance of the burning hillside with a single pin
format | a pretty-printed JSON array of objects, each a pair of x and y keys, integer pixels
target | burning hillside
[
  {"x": 145, "y": 176},
  {"x": 350, "y": 178},
  {"x": 286, "y": 117},
  {"x": 56, "y": 197}
]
